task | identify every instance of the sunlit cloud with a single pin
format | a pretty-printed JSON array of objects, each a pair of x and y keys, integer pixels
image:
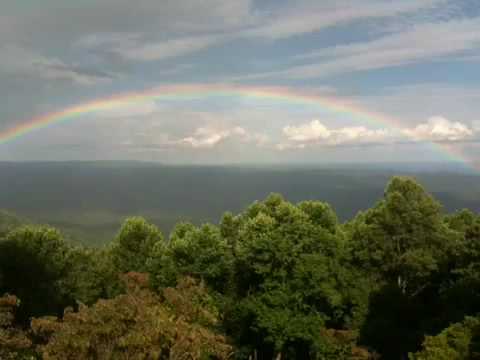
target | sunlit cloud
[
  {"x": 438, "y": 128},
  {"x": 316, "y": 133}
]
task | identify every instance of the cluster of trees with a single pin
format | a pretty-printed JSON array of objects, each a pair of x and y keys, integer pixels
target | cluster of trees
[{"x": 277, "y": 281}]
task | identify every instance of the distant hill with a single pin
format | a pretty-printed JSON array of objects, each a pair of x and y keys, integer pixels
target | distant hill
[{"x": 89, "y": 200}]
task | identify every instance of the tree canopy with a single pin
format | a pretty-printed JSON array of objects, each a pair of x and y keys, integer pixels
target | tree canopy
[{"x": 279, "y": 280}]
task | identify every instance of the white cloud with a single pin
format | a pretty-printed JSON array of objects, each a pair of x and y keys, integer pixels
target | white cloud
[
  {"x": 438, "y": 128},
  {"x": 206, "y": 137},
  {"x": 237, "y": 130},
  {"x": 316, "y": 133},
  {"x": 360, "y": 134},
  {"x": 435, "y": 129},
  {"x": 420, "y": 100},
  {"x": 149, "y": 125},
  {"x": 313, "y": 131},
  {"x": 261, "y": 140}
]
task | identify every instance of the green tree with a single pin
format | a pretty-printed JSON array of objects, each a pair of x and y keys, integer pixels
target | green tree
[
  {"x": 33, "y": 261},
  {"x": 134, "y": 245},
  {"x": 92, "y": 275},
  {"x": 406, "y": 246},
  {"x": 460, "y": 341},
  {"x": 461, "y": 293},
  {"x": 404, "y": 237},
  {"x": 292, "y": 279},
  {"x": 201, "y": 253}
]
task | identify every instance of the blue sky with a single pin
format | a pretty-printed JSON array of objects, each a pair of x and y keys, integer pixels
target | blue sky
[{"x": 416, "y": 61}]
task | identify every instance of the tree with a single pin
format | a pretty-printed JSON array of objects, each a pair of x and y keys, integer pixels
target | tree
[
  {"x": 279, "y": 280},
  {"x": 201, "y": 253},
  {"x": 460, "y": 341},
  {"x": 406, "y": 245},
  {"x": 292, "y": 279},
  {"x": 137, "y": 325},
  {"x": 134, "y": 245},
  {"x": 403, "y": 237},
  {"x": 92, "y": 275},
  {"x": 33, "y": 261},
  {"x": 461, "y": 289}
]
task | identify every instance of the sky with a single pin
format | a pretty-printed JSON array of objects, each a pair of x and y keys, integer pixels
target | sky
[{"x": 409, "y": 69}]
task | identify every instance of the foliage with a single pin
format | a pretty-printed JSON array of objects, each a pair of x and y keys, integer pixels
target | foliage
[
  {"x": 403, "y": 237},
  {"x": 197, "y": 252},
  {"x": 463, "y": 287},
  {"x": 292, "y": 278},
  {"x": 134, "y": 244},
  {"x": 91, "y": 275},
  {"x": 137, "y": 325},
  {"x": 278, "y": 280},
  {"x": 460, "y": 341},
  {"x": 33, "y": 262},
  {"x": 405, "y": 244},
  {"x": 14, "y": 344}
]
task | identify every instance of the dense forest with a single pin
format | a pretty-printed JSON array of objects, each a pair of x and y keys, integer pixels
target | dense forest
[
  {"x": 279, "y": 280},
  {"x": 88, "y": 201}
]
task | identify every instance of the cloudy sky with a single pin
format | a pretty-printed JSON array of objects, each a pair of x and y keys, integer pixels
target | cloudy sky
[{"x": 415, "y": 62}]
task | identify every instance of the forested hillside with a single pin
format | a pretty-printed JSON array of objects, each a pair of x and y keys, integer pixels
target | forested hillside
[
  {"x": 88, "y": 201},
  {"x": 278, "y": 280}
]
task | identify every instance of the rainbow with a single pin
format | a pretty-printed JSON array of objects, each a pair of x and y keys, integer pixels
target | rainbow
[{"x": 184, "y": 92}]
